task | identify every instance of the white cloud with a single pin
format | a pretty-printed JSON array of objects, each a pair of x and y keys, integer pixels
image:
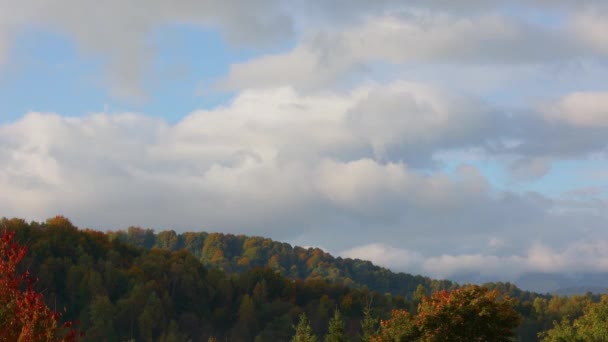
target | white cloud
[
  {"x": 415, "y": 114},
  {"x": 381, "y": 254},
  {"x": 361, "y": 183},
  {"x": 279, "y": 163},
  {"x": 585, "y": 109},
  {"x": 277, "y": 157},
  {"x": 420, "y": 37},
  {"x": 576, "y": 258},
  {"x": 346, "y": 36},
  {"x": 333, "y": 141},
  {"x": 591, "y": 27}
]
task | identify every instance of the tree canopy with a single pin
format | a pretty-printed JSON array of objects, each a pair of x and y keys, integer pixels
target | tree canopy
[
  {"x": 139, "y": 285},
  {"x": 591, "y": 327},
  {"x": 470, "y": 313}
]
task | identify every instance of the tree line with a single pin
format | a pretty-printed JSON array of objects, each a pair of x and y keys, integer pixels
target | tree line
[
  {"x": 239, "y": 253},
  {"x": 120, "y": 291}
]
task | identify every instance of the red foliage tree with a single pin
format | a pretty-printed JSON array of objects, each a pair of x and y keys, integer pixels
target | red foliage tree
[{"x": 23, "y": 314}]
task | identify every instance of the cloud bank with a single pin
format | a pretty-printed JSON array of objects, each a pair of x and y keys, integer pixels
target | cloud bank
[
  {"x": 429, "y": 136},
  {"x": 357, "y": 167}
]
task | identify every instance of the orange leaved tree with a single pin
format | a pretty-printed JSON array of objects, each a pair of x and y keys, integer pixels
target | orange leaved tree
[{"x": 470, "y": 313}]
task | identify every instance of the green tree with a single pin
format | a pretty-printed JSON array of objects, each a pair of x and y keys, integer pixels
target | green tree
[
  {"x": 246, "y": 320},
  {"x": 368, "y": 324},
  {"x": 563, "y": 331},
  {"x": 592, "y": 326},
  {"x": 167, "y": 239},
  {"x": 401, "y": 327},
  {"x": 337, "y": 328},
  {"x": 151, "y": 317},
  {"x": 303, "y": 331},
  {"x": 420, "y": 293},
  {"x": 101, "y": 312}
]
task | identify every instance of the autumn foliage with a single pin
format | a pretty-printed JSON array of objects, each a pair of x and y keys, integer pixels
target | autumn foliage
[
  {"x": 23, "y": 314},
  {"x": 471, "y": 313},
  {"x": 138, "y": 285}
]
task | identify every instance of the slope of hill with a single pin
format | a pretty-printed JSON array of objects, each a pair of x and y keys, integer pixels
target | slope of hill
[
  {"x": 119, "y": 291},
  {"x": 239, "y": 253}
]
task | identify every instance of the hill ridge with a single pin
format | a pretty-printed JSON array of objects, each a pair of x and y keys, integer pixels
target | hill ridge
[{"x": 239, "y": 253}]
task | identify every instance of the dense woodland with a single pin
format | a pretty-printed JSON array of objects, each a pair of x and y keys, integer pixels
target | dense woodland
[
  {"x": 239, "y": 253},
  {"x": 142, "y": 286}
]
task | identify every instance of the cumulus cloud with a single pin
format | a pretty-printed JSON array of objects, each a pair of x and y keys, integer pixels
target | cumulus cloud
[
  {"x": 293, "y": 166},
  {"x": 347, "y": 35},
  {"x": 326, "y": 57},
  {"x": 586, "y": 109},
  {"x": 338, "y": 132},
  {"x": 536, "y": 138},
  {"x": 268, "y": 151},
  {"x": 591, "y": 27},
  {"x": 571, "y": 127},
  {"x": 275, "y": 156},
  {"x": 362, "y": 185},
  {"x": 411, "y": 114}
]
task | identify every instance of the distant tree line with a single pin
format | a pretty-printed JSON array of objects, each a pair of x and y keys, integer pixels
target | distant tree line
[{"x": 240, "y": 253}]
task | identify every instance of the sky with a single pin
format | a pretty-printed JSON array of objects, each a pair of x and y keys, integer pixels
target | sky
[{"x": 437, "y": 137}]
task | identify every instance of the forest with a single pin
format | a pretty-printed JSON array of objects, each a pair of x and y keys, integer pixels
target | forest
[{"x": 138, "y": 285}]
